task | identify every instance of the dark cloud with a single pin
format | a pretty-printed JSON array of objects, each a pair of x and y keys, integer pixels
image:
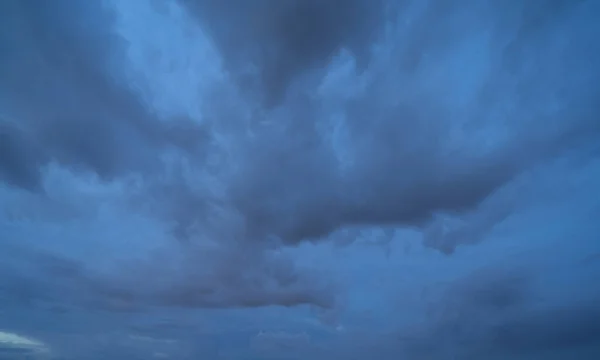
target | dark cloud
[
  {"x": 550, "y": 330},
  {"x": 416, "y": 140},
  {"x": 215, "y": 280},
  {"x": 281, "y": 344},
  {"x": 62, "y": 101},
  {"x": 283, "y": 40},
  {"x": 499, "y": 313},
  {"x": 567, "y": 330},
  {"x": 20, "y": 163},
  {"x": 405, "y": 166}
]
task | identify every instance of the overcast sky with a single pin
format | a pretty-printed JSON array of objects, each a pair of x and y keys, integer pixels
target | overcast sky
[{"x": 299, "y": 179}]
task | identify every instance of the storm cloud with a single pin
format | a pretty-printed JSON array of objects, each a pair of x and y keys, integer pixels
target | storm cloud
[
  {"x": 211, "y": 157},
  {"x": 273, "y": 43}
]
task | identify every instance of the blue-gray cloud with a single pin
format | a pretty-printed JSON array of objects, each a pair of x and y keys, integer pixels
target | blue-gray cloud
[
  {"x": 284, "y": 39},
  {"x": 199, "y": 156}
]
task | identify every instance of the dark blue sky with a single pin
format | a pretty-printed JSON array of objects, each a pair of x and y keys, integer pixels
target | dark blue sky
[{"x": 262, "y": 179}]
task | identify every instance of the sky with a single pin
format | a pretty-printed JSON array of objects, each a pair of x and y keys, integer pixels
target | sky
[{"x": 299, "y": 179}]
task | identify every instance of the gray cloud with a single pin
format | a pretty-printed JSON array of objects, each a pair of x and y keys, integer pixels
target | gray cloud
[
  {"x": 550, "y": 330},
  {"x": 282, "y": 40},
  {"x": 62, "y": 102},
  {"x": 406, "y": 166},
  {"x": 197, "y": 280},
  {"x": 357, "y": 117},
  {"x": 497, "y": 314}
]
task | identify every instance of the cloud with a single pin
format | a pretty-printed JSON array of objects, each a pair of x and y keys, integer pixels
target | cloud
[
  {"x": 500, "y": 319},
  {"x": 61, "y": 100},
  {"x": 418, "y": 156},
  {"x": 554, "y": 329},
  {"x": 269, "y": 43},
  {"x": 199, "y": 279},
  {"x": 88, "y": 120},
  {"x": 162, "y": 157},
  {"x": 273, "y": 342},
  {"x": 14, "y": 346},
  {"x": 412, "y": 146}
]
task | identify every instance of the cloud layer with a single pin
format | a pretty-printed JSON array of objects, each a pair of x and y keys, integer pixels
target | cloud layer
[{"x": 211, "y": 157}]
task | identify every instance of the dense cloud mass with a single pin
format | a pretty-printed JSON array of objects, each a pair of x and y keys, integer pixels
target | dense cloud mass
[
  {"x": 210, "y": 177},
  {"x": 280, "y": 40}
]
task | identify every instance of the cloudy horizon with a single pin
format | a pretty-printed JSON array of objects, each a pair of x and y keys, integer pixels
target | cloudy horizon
[{"x": 343, "y": 179}]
